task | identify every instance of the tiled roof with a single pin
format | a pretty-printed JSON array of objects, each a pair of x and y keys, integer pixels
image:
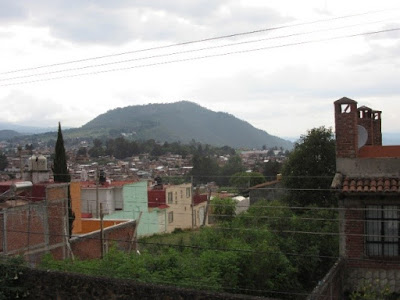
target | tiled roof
[
  {"x": 265, "y": 184},
  {"x": 371, "y": 185}
]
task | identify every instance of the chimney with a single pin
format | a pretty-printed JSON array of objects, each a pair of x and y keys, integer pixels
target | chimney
[
  {"x": 365, "y": 119},
  {"x": 346, "y": 121},
  {"x": 377, "y": 127}
]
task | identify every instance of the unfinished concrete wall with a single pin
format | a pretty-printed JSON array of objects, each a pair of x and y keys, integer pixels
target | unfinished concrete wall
[{"x": 369, "y": 167}]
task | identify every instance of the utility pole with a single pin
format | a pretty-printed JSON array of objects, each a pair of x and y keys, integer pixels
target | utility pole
[
  {"x": 20, "y": 161},
  {"x": 192, "y": 200},
  {"x": 97, "y": 192},
  {"x": 207, "y": 206},
  {"x": 101, "y": 232},
  {"x": 134, "y": 235}
]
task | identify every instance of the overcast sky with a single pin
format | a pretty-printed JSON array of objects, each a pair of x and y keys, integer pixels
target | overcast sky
[{"x": 283, "y": 81}]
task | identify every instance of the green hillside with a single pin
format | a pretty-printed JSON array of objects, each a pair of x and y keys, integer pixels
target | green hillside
[
  {"x": 181, "y": 121},
  {"x": 8, "y": 134}
]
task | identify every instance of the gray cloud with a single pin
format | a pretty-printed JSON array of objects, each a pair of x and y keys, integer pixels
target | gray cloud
[
  {"x": 121, "y": 21},
  {"x": 11, "y": 11},
  {"x": 377, "y": 54},
  {"x": 25, "y": 109}
]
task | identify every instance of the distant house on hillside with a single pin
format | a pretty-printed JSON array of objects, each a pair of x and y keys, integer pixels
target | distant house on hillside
[{"x": 368, "y": 184}]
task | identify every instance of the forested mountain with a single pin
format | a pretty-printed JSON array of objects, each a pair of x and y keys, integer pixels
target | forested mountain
[
  {"x": 182, "y": 121},
  {"x": 7, "y": 134}
]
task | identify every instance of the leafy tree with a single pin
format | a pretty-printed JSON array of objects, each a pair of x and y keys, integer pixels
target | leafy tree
[
  {"x": 234, "y": 165},
  {"x": 60, "y": 172},
  {"x": 205, "y": 169},
  {"x": 310, "y": 168},
  {"x": 97, "y": 149},
  {"x": 271, "y": 169},
  {"x": 11, "y": 284},
  {"x": 157, "y": 151},
  {"x": 3, "y": 161},
  {"x": 223, "y": 209}
]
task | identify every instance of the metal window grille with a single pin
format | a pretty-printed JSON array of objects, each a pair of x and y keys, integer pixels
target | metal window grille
[{"x": 382, "y": 230}]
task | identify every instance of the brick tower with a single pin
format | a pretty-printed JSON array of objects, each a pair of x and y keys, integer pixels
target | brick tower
[{"x": 346, "y": 121}]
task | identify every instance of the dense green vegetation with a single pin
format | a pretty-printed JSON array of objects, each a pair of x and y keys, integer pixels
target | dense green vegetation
[
  {"x": 310, "y": 168},
  {"x": 122, "y": 148},
  {"x": 11, "y": 286},
  {"x": 261, "y": 252},
  {"x": 273, "y": 249},
  {"x": 3, "y": 161}
]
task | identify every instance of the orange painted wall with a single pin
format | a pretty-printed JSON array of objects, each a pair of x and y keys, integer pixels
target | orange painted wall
[
  {"x": 89, "y": 225},
  {"x": 75, "y": 189}
]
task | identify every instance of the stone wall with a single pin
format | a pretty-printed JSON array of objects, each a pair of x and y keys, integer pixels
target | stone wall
[{"x": 383, "y": 278}]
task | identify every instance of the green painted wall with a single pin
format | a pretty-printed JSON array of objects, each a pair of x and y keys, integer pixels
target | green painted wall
[{"x": 135, "y": 201}]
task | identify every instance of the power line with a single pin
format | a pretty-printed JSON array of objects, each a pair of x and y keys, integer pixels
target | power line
[
  {"x": 182, "y": 52},
  {"x": 200, "y": 40},
  {"x": 206, "y": 56}
]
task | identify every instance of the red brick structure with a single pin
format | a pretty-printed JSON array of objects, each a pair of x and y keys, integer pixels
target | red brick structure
[
  {"x": 35, "y": 221},
  {"x": 368, "y": 183}
]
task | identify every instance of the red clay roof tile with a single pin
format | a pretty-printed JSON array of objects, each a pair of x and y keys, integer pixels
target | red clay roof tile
[{"x": 371, "y": 185}]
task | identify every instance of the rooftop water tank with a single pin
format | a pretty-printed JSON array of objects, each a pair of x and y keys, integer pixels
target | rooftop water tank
[{"x": 37, "y": 163}]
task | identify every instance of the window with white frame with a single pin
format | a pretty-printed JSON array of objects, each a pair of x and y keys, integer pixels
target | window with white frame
[{"x": 382, "y": 230}]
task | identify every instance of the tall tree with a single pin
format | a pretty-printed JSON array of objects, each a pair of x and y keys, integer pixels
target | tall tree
[
  {"x": 3, "y": 161},
  {"x": 310, "y": 168},
  {"x": 271, "y": 169},
  {"x": 60, "y": 169},
  {"x": 61, "y": 174},
  {"x": 205, "y": 169},
  {"x": 233, "y": 166}
]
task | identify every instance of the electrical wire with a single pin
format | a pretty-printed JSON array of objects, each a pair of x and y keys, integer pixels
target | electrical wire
[
  {"x": 183, "y": 52},
  {"x": 205, "y": 56},
  {"x": 200, "y": 40}
]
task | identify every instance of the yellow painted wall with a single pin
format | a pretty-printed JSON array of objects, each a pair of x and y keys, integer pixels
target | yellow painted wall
[{"x": 180, "y": 207}]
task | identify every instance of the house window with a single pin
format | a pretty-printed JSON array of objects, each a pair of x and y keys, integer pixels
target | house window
[
  {"x": 382, "y": 228},
  {"x": 170, "y": 217},
  {"x": 169, "y": 197},
  {"x": 188, "y": 192}
]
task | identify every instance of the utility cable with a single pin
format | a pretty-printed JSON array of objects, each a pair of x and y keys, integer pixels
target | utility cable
[
  {"x": 182, "y": 52},
  {"x": 200, "y": 40},
  {"x": 206, "y": 56}
]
